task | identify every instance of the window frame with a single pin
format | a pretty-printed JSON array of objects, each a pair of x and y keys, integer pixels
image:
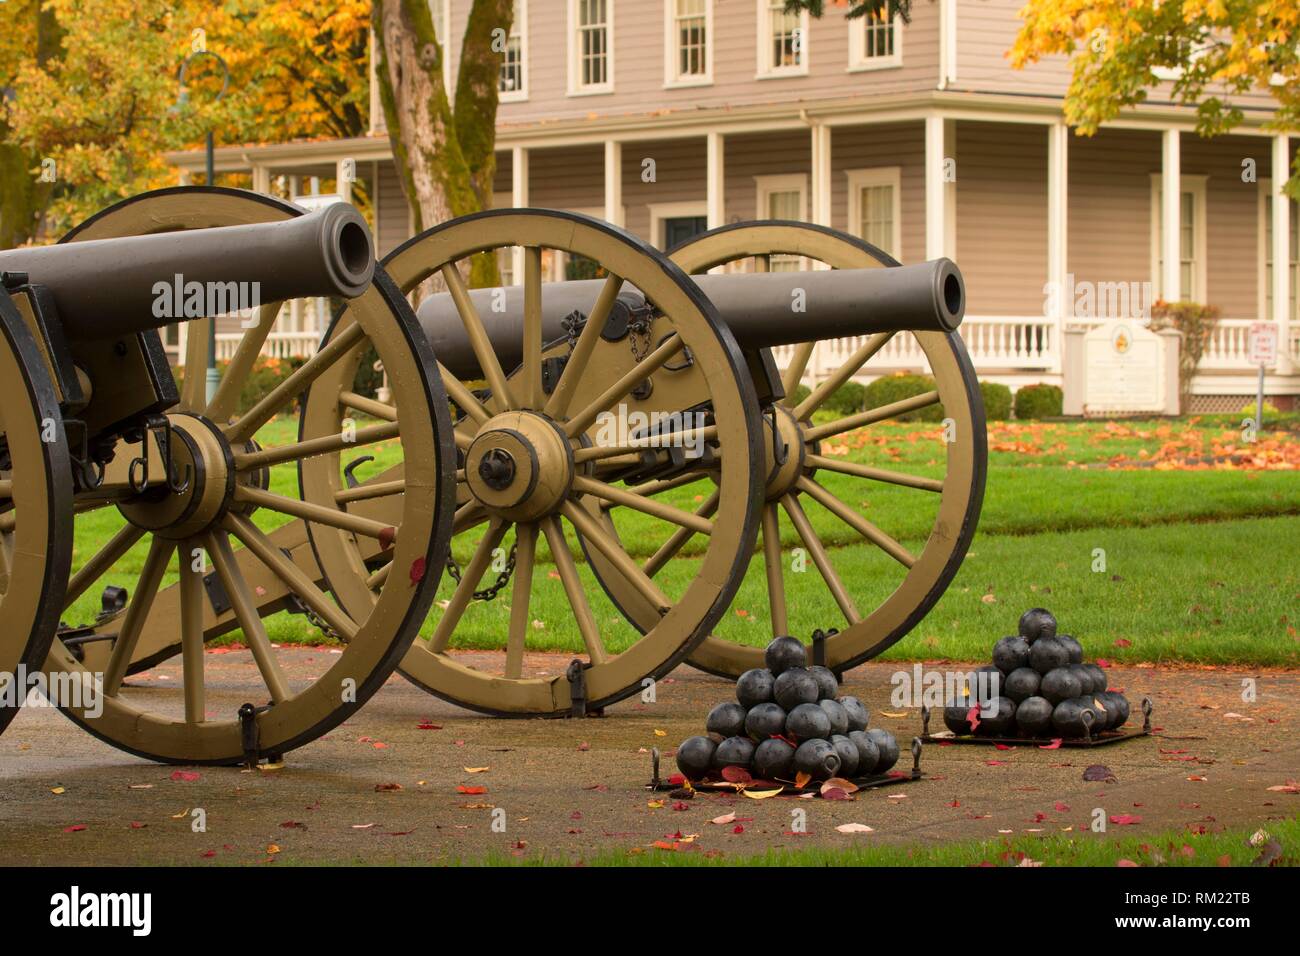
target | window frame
[
  {"x": 859, "y": 62},
  {"x": 1264, "y": 246},
  {"x": 865, "y": 178},
  {"x": 780, "y": 183},
  {"x": 575, "y": 87},
  {"x": 521, "y": 23},
  {"x": 660, "y": 212},
  {"x": 1194, "y": 183},
  {"x": 766, "y": 69},
  {"x": 672, "y": 80}
]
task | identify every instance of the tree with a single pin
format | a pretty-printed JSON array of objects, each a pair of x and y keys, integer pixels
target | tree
[
  {"x": 1215, "y": 49},
  {"x": 29, "y": 34},
  {"x": 446, "y": 157}
]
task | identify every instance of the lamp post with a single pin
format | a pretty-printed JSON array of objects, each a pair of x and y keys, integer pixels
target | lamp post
[{"x": 182, "y": 100}]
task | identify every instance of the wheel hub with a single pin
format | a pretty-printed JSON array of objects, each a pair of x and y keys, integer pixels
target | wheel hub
[
  {"x": 201, "y": 452},
  {"x": 784, "y": 449},
  {"x": 520, "y": 466}
]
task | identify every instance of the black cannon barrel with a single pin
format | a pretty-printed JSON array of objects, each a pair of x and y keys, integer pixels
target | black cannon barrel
[
  {"x": 762, "y": 309},
  {"x": 108, "y": 287}
]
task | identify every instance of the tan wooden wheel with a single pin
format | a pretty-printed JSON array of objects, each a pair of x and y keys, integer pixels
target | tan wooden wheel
[
  {"x": 800, "y": 483},
  {"x": 222, "y": 526},
  {"x": 553, "y": 475}
]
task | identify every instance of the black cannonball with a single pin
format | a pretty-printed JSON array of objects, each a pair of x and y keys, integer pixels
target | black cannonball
[
  {"x": 1021, "y": 683},
  {"x": 695, "y": 757},
  {"x": 887, "y": 747},
  {"x": 857, "y": 713},
  {"x": 1073, "y": 717},
  {"x": 1047, "y": 653},
  {"x": 734, "y": 752},
  {"x": 847, "y": 751},
  {"x": 1072, "y": 647},
  {"x": 956, "y": 717},
  {"x": 1086, "y": 679},
  {"x": 827, "y": 686},
  {"x": 997, "y": 718},
  {"x": 795, "y": 686},
  {"x": 1105, "y": 709},
  {"x": 807, "y": 722},
  {"x": 1010, "y": 653},
  {"x": 817, "y": 758},
  {"x": 1037, "y": 622},
  {"x": 764, "y": 721},
  {"x": 754, "y": 687},
  {"x": 1099, "y": 679},
  {"x": 727, "y": 719},
  {"x": 1060, "y": 684},
  {"x": 1034, "y": 717},
  {"x": 772, "y": 759},
  {"x": 784, "y": 653},
  {"x": 1116, "y": 706},
  {"x": 839, "y": 717}
]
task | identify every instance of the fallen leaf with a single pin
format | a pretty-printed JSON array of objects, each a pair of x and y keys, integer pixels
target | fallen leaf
[
  {"x": 725, "y": 818},
  {"x": 734, "y": 774},
  {"x": 188, "y": 776},
  {"x": 893, "y": 713},
  {"x": 802, "y": 780},
  {"x": 839, "y": 783},
  {"x": 75, "y": 828},
  {"x": 477, "y": 769},
  {"x": 387, "y": 787},
  {"x": 1099, "y": 773},
  {"x": 471, "y": 791},
  {"x": 760, "y": 794},
  {"x": 854, "y": 828},
  {"x": 57, "y": 790},
  {"x": 1124, "y": 819}
]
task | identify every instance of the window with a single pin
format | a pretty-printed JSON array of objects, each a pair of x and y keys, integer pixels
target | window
[
  {"x": 875, "y": 43},
  {"x": 591, "y": 50},
  {"x": 783, "y": 197},
  {"x": 440, "y": 10},
  {"x": 1266, "y": 253},
  {"x": 1191, "y": 241},
  {"x": 875, "y": 207},
  {"x": 688, "y": 33},
  {"x": 782, "y": 40},
  {"x": 514, "y": 80},
  {"x": 674, "y": 222}
]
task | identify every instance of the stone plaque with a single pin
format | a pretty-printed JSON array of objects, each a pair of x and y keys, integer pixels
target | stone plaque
[{"x": 1124, "y": 369}]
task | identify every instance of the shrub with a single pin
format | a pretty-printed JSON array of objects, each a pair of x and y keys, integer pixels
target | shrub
[
  {"x": 800, "y": 393},
  {"x": 1197, "y": 323},
  {"x": 265, "y": 375},
  {"x": 895, "y": 388},
  {"x": 846, "y": 399},
  {"x": 997, "y": 401},
  {"x": 1039, "y": 401},
  {"x": 1269, "y": 409}
]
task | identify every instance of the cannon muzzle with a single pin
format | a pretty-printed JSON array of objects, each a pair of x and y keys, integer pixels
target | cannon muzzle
[
  {"x": 109, "y": 287},
  {"x": 762, "y": 309}
]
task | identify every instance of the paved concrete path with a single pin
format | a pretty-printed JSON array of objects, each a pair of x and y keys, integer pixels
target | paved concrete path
[{"x": 571, "y": 789}]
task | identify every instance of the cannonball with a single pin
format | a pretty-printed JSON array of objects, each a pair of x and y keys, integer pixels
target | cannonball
[
  {"x": 1100, "y": 681},
  {"x": 1122, "y": 702},
  {"x": 1037, "y": 622},
  {"x": 807, "y": 722},
  {"x": 1021, "y": 683},
  {"x": 868, "y": 752},
  {"x": 839, "y": 717},
  {"x": 956, "y": 717},
  {"x": 1105, "y": 709},
  {"x": 772, "y": 759},
  {"x": 847, "y": 751},
  {"x": 695, "y": 757},
  {"x": 1060, "y": 684},
  {"x": 734, "y": 752},
  {"x": 828, "y": 687},
  {"x": 859, "y": 716},
  {"x": 887, "y": 746},
  {"x": 1072, "y": 647},
  {"x": 754, "y": 687},
  {"x": 727, "y": 719},
  {"x": 997, "y": 718},
  {"x": 1068, "y": 718},
  {"x": 1010, "y": 653},
  {"x": 1034, "y": 717},
  {"x": 764, "y": 721},
  {"x": 817, "y": 758},
  {"x": 784, "y": 653},
  {"x": 1046, "y": 654},
  {"x": 795, "y": 686},
  {"x": 1086, "y": 678}
]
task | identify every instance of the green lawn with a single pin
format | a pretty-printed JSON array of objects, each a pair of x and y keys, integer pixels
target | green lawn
[{"x": 1196, "y": 562}]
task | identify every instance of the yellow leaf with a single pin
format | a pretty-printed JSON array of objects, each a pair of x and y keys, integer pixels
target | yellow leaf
[
  {"x": 57, "y": 790},
  {"x": 893, "y": 713},
  {"x": 655, "y": 804},
  {"x": 477, "y": 769},
  {"x": 273, "y": 848},
  {"x": 661, "y": 733},
  {"x": 760, "y": 794}
]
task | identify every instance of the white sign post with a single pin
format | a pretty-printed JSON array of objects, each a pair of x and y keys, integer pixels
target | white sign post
[{"x": 1263, "y": 353}]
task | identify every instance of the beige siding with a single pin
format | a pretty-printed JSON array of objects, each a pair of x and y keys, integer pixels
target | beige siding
[
  {"x": 762, "y": 154},
  {"x": 679, "y": 177},
  {"x": 570, "y": 178},
  {"x": 394, "y": 213},
  {"x": 1232, "y": 218},
  {"x": 888, "y": 144}
]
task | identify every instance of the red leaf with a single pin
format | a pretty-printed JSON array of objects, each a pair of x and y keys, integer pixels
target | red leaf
[
  {"x": 418, "y": 567},
  {"x": 75, "y": 828},
  {"x": 681, "y": 805},
  {"x": 188, "y": 776},
  {"x": 1003, "y": 747},
  {"x": 1062, "y": 807},
  {"x": 1123, "y": 642},
  {"x": 736, "y": 775},
  {"x": 676, "y": 780},
  {"x": 973, "y": 718},
  {"x": 208, "y": 854},
  {"x": 137, "y": 825},
  {"x": 461, "y": 788},
  {"x": 1054, "y": 745},
  {"x": 386, "y": 538},
  {"x": 428, "y": 726},
  {"x": 1125, "y": 863},
  {"x": 1124, "y": 819},
  {"x": 737, "y": 829},
  {"x": 1102, "y": 662}
]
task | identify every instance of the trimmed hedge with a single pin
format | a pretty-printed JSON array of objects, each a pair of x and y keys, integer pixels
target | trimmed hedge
[
  {"x": 997, "y": 401},
  {"x": 895, "y": 388},
  {"x": 266, "y": 374},
  {"x": 1039, "y": 401},
  {"x": 847, "y": 399}
]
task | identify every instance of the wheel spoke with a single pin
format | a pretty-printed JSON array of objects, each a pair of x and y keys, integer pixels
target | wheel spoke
[
  {"x": 323, "y": 445},
  {"x": 478, "y": 338},
  {"x": 368, "y": 406},
  {"x": 859, "y": 358},
  {"x": 467, "y": 516},
  {"x": 459, "y": 393},
  {"x": 191, "y": 593},
  {"x": 659, "y": 486},
  {"x": 521, "y": 599},
  {"x": 668, "y": 550},
  {"x": 558, "y": 404},
  {"x": 6, "y": 488},
  {"x": 871, "y": 416},
  {"x": 650, "y": 506},
  {"x": 370, "y": 489},
  {"x": 245, "y": 608},
  {"x": 874, "y": 474},
  {"x": 591, "y": 530},
  {"x": 794, "y": 371},
  {"x": 855, "y": 521},
  {"x": 820, "y": 558},
  {"x": 533, "y": 397},
  {"x": 317, "y": 514},
  {"x": 469, "y": 579},
  {"x": 146, "y": 589},
  {"x": 194, "y": 389},
  {"x": 105, "y": 558},
  {"x": 226, "y": 399},
  {"x": 775, "y": 571},
  {"x": 656, "y": 442},
  {"x": 580, "y": 422},
  {"x": 573, "y": 589}
]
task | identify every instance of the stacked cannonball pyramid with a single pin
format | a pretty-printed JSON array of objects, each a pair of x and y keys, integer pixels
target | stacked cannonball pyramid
[
  {"x": 1047, "y": 690},
  {"x": 787, "y": 720}
]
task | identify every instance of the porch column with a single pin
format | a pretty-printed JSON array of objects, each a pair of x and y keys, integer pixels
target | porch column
[
  {"x": 614, "y": 182},
  {"x": 1058, "y": 175},
  {"x": 940, "y": 191},
  {"x": 261, "y": 179},
  {"x": 1281, "y": 240},
  {"x": 715, "y": 180},
  {"x": 821, "y": 175},
  {"x": 184, "y": 178},
  {"x": 345, "y": 170},
  {"x": 1170, "y": 216},
  {"x": 519, "y": 200}
]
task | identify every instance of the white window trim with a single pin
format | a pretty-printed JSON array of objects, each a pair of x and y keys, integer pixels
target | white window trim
[
  {"x": 521, "y": 21},
  {"x": 671, "y": 80},
  {"x": 1188, "y": 183},
  {"x": 859, "y": 62},
  {"x": 1264, "y": 247},
  {"x": 444, "y": 34},
  {"x": 661, "y": 211},
  {"x": 766, "y": 71},
  {"x": 781, "y": 183},
  {"x": 860, "y": 179},
  {"x": 575, "y": 71}
]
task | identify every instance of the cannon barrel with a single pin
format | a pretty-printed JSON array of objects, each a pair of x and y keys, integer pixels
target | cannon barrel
[
  {"x": 762, "y": 309},
  {"x": 109, "y": 287}
]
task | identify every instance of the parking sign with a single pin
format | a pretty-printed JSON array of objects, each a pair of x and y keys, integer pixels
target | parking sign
[{"x": 1263, "y": 343}]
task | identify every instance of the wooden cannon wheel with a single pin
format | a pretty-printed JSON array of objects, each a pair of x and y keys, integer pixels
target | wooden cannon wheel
[
  {"x": 35, "y": 509},
  {"x": 922, "y": 575},
  {"x": 235, "y": 493},
  {"x": 530, "y": 471}
]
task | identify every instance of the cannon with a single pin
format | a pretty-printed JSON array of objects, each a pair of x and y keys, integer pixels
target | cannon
[
  {"x": 165, "y": 481},
  {"x": 660, "y": 500}
]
